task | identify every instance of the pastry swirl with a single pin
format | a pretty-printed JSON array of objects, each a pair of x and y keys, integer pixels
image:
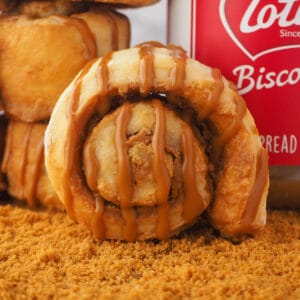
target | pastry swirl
[
  {"x": 39, "y": 57},
  {"x": 23, "y": 165},
  {"x": 210, "y": 111}
]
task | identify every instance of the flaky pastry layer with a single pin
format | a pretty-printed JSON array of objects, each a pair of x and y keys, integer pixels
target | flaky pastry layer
[{"x": 23, "y": 165}]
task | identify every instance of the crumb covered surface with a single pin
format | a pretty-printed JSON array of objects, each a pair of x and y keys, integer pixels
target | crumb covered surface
[{"x": 45, "y": 255}]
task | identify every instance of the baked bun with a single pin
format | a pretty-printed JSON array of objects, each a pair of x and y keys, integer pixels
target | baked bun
[
  {"x": 23, "y": 165},
  {"x": 40, "y": 56},
  {"x": 144, "y": 138}
]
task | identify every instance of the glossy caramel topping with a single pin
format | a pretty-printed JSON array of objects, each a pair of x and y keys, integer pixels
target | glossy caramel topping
[
  {"x": 102, "y": 75},
  {"x": 161, "y": 174},
  {"x": 98, "y": 226},
  {"x": 72, "y": 140},
  {"x": 178, "y": 72},
  {"x": 33, "y": 172},
  {"x": 25, "y": 158},
  {"x": 147, "y": 74},
  {"x": 241, "y": 109},
  {"x": 193, "y": 203},
  {"x": 124, "y": 174}
]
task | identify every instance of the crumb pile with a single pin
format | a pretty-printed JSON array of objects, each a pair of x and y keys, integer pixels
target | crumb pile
[{"x": 45, "y": 255}]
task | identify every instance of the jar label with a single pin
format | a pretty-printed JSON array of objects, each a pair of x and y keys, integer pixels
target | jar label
[{"x": 256, "y": 44}]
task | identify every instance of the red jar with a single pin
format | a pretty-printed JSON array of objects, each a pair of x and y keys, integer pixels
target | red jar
[{"x": 256, "y": 44}]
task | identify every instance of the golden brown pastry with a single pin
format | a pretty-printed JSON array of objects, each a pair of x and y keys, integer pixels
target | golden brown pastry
[
  {"x": 135, "y": 141},
  {"x": 23, "y": 165},
  {"x": 40, "y": 56}
]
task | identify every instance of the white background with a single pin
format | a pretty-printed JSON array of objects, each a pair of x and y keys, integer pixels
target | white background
[{"x": 148, "y": 23}]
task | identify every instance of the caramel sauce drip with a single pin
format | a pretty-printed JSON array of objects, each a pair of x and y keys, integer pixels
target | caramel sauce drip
[
  {"x": 86, "y": 34},
  {"x": 161, "y": 173},
  {"x": 193, "y": 203},
  {"x": 98, "y": 226},
  {"x": 261, "y": 177},
  {"x": 92, "y": 167},
  {"x": 215, "y": 97},
  {"x": 112, "y": 17},
  {"x": 241, "y": 109},
  {"x": 33, "y": 172},
  {"x": 28, "y": 172},
  {"x": 147, "y": 73},
  {"x": 124, "y": 174},
  {"x": 71, "y": 142},
  {"x": 102, "y": 75},
  {"x": 178, "y": 72},
  {"x": 25, "y": 159}
]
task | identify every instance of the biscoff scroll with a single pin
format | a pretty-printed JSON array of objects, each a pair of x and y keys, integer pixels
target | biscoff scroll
[
  {"x": 39, "y": 57},
  {"x": 208, "y": 153},
  {"x": 23, "y": 165}
]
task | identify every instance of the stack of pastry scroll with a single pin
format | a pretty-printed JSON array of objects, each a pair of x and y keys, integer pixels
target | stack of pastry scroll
[{"x": 141, "y": 144}]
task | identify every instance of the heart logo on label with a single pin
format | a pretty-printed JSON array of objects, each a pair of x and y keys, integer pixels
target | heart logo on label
[{"x": 259, "y": 27}]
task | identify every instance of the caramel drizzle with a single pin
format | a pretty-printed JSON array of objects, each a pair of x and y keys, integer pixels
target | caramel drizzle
[
  {"x": 193, "y": 202},
  {"x": 161, "y": 173},
  {"x": 28, "y": 172},
  {"x": 92, "y": 167},
  {"x": 25, "y": 159},
  {"x": 178, "y": 72},
  {"x": 147, "y": 73},
  {"x": 86, "y": 34},
  {"x": 215, "y": 97},
  {"x": 102, "y": 77},
  {"x": 241, "y": 109},
  {"x": 261, "y": 177},
  {"x": 98, "y": 226},
  {"x": 124, "y": 174},
  {"x": 112, "y": 18},
  {"x": 71, "y": 142},
  {"x": 33, "y": 174}
]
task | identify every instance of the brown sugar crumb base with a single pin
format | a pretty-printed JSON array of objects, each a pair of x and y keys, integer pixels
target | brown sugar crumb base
[{"x": 44, "y": 255}]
